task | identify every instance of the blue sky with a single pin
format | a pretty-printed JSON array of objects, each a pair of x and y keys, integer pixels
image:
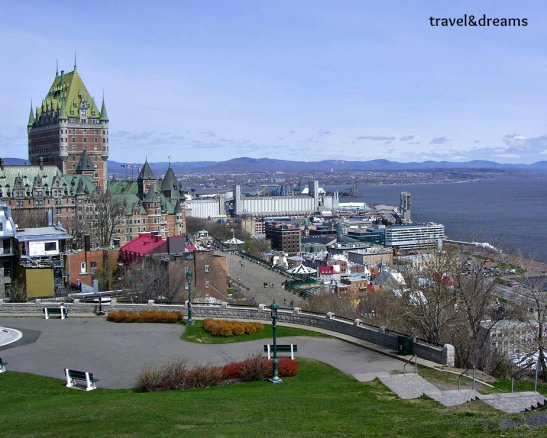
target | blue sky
[{"x": 302, "y": 80}]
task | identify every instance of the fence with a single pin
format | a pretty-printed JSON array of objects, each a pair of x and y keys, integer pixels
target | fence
[{"x": 355, "y": 328}]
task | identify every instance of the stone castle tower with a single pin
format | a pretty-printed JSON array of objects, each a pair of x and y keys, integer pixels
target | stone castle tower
[{"x": 68, "y": 129}]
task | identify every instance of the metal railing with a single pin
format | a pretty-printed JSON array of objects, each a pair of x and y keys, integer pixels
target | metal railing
[
  {"x": 516, "y": 373},
  {"x": 463, "y": 374},
  {"x": 409, "y": 361}
]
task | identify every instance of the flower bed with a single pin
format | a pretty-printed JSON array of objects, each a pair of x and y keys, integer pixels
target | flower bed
[
  {"x": 176, "y": 376},
  {"x": 222, "y": 327},
  {"x": 163, "y": 316}
]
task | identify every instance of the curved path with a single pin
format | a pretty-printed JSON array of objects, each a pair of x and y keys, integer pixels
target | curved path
[{"x": 116, "y": 353}]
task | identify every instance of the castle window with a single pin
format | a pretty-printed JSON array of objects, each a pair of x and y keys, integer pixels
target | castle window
[
  {"x": 74, "y": 139},
  {"x": 206, "y": 285},
  {"x": 85, "y": 139},
  {"x": 206, "y": 268},
  {"x": 95, "y": 148},
  {"x": 73, "y": 131},
  {"x": 95, "y": 140}
]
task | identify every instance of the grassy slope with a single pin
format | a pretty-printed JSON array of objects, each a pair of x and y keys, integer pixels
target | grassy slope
[
  {"x": 196, "y": 334},
  {"x": 320, "y": 401}
]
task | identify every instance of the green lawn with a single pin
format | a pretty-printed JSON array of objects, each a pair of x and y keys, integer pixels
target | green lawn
[
  {"x": 195, "y": 333},
  {"x": 320, "y": 401}
]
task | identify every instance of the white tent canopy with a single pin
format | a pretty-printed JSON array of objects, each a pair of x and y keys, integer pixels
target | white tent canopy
[
  {"x": 302, "y": 270},
  {"x": 233, "y": 241}
]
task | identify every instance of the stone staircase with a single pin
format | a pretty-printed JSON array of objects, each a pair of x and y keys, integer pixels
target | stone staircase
[
  {"x": 410, "y": 386},
  {"x": 514, "y": 402}
]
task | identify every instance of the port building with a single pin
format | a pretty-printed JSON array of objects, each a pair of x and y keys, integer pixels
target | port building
[{"x": 414, "y": 236}]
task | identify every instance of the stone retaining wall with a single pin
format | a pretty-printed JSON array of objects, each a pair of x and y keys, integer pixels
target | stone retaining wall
[{"x": 357, "y": 329}]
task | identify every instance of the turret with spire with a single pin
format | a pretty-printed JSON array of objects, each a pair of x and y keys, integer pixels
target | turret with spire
[
  {"x": 70, "y": 110},
  {"x": 146, "y": 180}
]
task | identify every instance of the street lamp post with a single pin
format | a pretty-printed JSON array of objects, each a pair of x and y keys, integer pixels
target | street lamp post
[
  {"x": 189, "y": 321},
  {"x": 273, "y": 309}
]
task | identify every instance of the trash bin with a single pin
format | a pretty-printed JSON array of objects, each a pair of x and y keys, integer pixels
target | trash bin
[{"x": 404, "y": 345}]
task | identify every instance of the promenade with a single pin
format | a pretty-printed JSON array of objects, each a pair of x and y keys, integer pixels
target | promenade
[
  {"x": 117, "y": 353},
  {"x": 253, "y": 276}
]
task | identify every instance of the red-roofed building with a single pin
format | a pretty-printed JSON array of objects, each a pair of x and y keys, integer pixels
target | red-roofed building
[{"x": 145, "y": 244}]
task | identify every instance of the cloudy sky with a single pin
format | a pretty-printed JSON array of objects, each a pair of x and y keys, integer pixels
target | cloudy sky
[{"x": 302, "y": 80}]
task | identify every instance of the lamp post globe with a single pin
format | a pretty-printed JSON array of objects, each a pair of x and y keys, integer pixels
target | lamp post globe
[
  {"x": 189, "y": 274},
  {"x": 274, "y": 307}
]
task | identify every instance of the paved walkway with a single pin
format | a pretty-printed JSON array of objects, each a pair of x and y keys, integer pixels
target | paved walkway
[
  {"x": 116, "y": 353},
  {"x": 253, "y": 276}
]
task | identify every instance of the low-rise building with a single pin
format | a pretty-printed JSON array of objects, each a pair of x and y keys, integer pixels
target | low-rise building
[
  {"x": 415, "y": 236},
  {"x": 283, "y": 236},
  {"x": 83, "y": 267},
  {"x": 7, "y": 235},
  {"x": 144, "y": 245},
  {"x": 40, "y": 266}
]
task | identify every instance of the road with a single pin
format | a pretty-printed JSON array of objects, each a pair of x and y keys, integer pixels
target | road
[{"x": 117, "y": 353}]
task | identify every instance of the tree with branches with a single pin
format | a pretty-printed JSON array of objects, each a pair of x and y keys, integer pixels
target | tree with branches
[
  {"x": 148, "y": 279},
  {"x": 533, "y": 294}
]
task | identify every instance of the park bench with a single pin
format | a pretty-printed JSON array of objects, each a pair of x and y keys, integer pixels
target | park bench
[
  {"x": 84, "y": 376},
  {"x": 289, "y": 348},
  {"x": 2, "y": 365},
  {"x": 55, "y": 311}
]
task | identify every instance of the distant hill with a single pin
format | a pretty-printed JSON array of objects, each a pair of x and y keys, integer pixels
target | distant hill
[
  {"x": 247, "y": 164},
  {"x": 16, "y": 162}
]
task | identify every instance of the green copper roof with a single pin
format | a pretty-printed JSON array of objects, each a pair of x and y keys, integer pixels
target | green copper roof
[
  {"x": 28, "y": 174},
  {"x": 31, "y": 117},
  {"x": 169, "y": 181},
  {"x": 85, "y": 163},
  {"x": 63, "y": 115},
  {"x": 146, "y": 172},
  {"x": 178, "y": 207},
  {"x": 104, "y": 116},
  {"x": 79, "y": 184},
  {"x": 150, "y": 196},
  {"x": 68, "y": 91}
]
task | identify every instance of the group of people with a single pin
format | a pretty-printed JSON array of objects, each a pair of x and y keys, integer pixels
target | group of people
[{"x": 266, "y": 284}]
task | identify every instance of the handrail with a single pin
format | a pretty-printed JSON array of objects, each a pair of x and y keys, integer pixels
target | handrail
[
  {"x": 462, "y": 374},
  {"x": 525, "y": 368},
  {"x": 409, "y": 361}
]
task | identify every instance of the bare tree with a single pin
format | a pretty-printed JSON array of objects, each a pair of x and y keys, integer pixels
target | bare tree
[
  {"x": 427, "y": 304},
  {"x": 29, "y": 218},
  {"x": 18, "y": 293},
  {"x": 148, "y": 279},
  {"x": 328, "y": 302},
  {"x": 475, "y": 298},
  {"x": 108, "y": 212},
  {"x": 533, "y": 291}
]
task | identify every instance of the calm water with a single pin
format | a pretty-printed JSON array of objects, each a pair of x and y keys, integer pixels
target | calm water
[{"x": 511, "y": 211}]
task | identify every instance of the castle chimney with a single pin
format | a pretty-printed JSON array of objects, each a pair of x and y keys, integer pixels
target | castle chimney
[
  {"x": 2, "y": 163},
  {"x": 41, "y": 163}
]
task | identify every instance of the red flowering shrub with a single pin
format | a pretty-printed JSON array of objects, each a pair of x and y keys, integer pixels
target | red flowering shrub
[
  {"x": 231, "y": 370},
  {"x": 286, "y": 367},
  {"x": 176, "y": 376}
]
